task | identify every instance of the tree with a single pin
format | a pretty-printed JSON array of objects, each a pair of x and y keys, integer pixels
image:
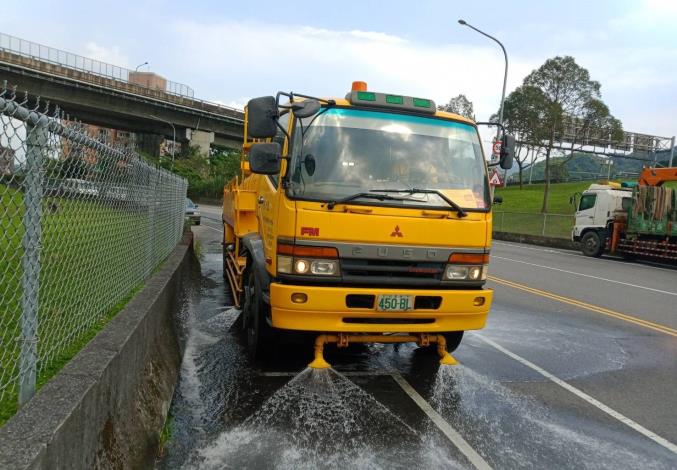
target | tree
[
  {"x": 459, "y": 105},
  {"x": 523, "y": 111},
  {"x": 570, "y": 94}
]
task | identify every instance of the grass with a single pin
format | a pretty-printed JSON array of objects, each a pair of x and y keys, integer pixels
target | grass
[
  {"x": 530, "y": 199},
  {"x": 93, "y": 258},
  {"x": 520, "y": 211}
]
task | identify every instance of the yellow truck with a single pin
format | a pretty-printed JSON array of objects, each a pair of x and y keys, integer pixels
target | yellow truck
[{"x": 363, "y": 219}]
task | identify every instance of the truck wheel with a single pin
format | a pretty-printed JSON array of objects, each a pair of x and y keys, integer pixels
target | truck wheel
[
  {"x": 453, "y": 339},
  {"x": 257, "y": 330},
  {"x": 591, "y": 244}
]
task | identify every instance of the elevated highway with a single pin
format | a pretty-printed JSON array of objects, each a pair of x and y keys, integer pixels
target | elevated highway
[{"x": 114, "y": 97}]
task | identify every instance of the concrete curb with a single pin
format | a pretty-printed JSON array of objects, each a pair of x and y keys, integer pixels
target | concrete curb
[
  {"x": 106, "y": 407},
  {"x": 537, "y": 240}
]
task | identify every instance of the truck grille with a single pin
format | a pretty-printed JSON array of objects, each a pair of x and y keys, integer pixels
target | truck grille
[{"x": 357, "y": 269}]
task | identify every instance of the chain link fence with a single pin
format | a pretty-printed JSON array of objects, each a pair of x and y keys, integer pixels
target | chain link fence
[
  {"x": 531, "y": 223},
  {"x": 82, "y": 224}
]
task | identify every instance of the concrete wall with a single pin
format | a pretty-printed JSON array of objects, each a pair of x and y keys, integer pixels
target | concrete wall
[{"x": 107, "y": 406}]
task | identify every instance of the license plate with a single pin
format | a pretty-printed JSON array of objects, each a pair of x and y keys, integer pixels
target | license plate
[{"x": 395, "y": 303}]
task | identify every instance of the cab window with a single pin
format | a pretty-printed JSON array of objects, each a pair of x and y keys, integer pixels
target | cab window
[{"x": 587, "y": 202}]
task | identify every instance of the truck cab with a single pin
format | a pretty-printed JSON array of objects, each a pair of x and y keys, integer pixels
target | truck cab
[
  {"x": 366, "y": 218},
  {"x": 595, "y": 210}
]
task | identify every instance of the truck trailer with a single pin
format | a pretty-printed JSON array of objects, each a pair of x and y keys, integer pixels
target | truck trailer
[
  {"x": 637, "y": 219},
  {"x": 361, "y": 219}
]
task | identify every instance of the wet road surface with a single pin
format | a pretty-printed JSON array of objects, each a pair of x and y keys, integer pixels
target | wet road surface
[{"x": 576, "y": 368}]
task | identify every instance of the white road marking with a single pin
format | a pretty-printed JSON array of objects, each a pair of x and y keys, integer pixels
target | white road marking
[
  {"x": 617, "y": 261},
  {"x": 586, "y": 275},
  {"x": 546, "y": 250},
  {"x": 584, "y": 396},
  {"x": 454, "y": 437}
]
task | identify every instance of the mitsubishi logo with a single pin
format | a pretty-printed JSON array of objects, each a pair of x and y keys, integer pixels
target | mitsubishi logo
[{"x": 396, "y": 232}]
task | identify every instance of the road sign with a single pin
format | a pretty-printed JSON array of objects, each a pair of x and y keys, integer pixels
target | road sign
[
  {"x": 495, "y": 178},
  {"x": 496, "y": 149}
]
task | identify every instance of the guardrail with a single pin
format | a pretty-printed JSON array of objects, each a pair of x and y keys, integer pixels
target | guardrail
[
  {"x": 51, "y": 55},
  {"x": 82, "y": 224}
]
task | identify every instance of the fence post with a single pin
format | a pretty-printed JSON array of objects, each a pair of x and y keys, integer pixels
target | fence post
[
  {"x": 36, "y": 144},
  {"x": 545, "y": 218}
]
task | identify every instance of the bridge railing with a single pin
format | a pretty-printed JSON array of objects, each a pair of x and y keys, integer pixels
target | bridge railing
[
  {"x": 40, "y": 52},
  {"x": 82, "y": 223}
]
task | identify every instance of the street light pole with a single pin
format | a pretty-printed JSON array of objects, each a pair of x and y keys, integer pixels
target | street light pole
[
  {"x": 140, "y": 65},
  {"x": 505, "y": 74},
  {"x": 505, "y": 82},
  {"x": 173, "y": 135}
]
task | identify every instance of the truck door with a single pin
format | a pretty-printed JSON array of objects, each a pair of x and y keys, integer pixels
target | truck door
[
  {"x": 268, "y": 197},
  {"x": 585, "y": 215}
]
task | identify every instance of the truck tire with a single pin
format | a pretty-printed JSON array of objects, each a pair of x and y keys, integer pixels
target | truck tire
[
  {"x": 257, "y": 332},
  {"x": 453, "y": 339},
  {"x": 592, "y": 244}
]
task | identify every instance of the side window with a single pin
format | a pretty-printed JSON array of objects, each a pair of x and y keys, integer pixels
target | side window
[
  {"x": 280, "y": 138},
  {"x": 626, "y": 203},
  {"x": 587, "y": 201}
]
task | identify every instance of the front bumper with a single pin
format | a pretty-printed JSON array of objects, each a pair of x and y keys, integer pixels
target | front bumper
[{"x": 326, "y": 310}]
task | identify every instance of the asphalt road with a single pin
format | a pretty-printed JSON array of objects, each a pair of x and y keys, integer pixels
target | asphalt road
[{"x": 576, "y": 368}]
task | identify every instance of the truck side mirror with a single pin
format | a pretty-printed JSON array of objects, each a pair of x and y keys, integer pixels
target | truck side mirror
[
  {"x": 262, "y": 115},
  {"x": 498, "y": 199},
  {"x": 507, "y": 151},
  {"x": 265, "y": 158},
  {"x": 307, "y": 108}
]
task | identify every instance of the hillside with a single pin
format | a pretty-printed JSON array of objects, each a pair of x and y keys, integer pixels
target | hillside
[{"x": 587, "y": 166}]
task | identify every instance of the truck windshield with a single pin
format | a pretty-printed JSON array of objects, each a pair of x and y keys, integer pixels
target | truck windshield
[{"x": 347, "y": 151}]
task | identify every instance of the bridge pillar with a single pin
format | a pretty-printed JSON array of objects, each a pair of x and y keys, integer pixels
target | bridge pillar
[
  {"x": 149, "y": 143},
  {"x": 200, "y": 139}
]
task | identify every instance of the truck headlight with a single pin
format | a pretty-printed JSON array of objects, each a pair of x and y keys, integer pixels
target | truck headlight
[
  {"x": 324, "y": 267},
  {"x": 454, "y": 272},
  {"x": 307, "y": 260},
  {"x": 301, "y": 266}
]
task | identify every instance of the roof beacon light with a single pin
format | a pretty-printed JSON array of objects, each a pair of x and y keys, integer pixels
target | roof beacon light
[
  {"x": 359, "y": 86},
  {"x": 359, "y": 96}
]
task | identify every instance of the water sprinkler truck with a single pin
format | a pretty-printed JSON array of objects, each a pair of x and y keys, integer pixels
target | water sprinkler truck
[{"x": 363, "y": 219}]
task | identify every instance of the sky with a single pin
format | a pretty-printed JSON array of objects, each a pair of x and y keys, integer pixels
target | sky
[{"x": 230, "y": 51}]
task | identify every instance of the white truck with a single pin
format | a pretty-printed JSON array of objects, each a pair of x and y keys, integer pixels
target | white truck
[{"x": 595, "y": 210}]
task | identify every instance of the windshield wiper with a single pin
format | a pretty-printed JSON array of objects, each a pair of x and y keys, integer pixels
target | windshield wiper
[
  {"x": 369, "y": 195},
  {"x": 452, "y": 204}
]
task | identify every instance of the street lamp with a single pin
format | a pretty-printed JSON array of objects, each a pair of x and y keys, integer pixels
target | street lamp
[
  {"x": 505, "y": 75},
  {"x": 140, "y": 65},
  {"x": 505, "y": 81},
  {"x": 173, "y": 135}
]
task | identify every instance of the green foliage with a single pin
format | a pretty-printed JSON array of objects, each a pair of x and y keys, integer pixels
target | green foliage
[
  {"x": 206, "y": 175},
  {"x": 570, "y": 97},
  {"x": 459, "y": 105}
]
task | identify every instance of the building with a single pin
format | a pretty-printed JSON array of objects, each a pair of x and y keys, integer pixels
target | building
[{"x": 6, "y": 161}]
